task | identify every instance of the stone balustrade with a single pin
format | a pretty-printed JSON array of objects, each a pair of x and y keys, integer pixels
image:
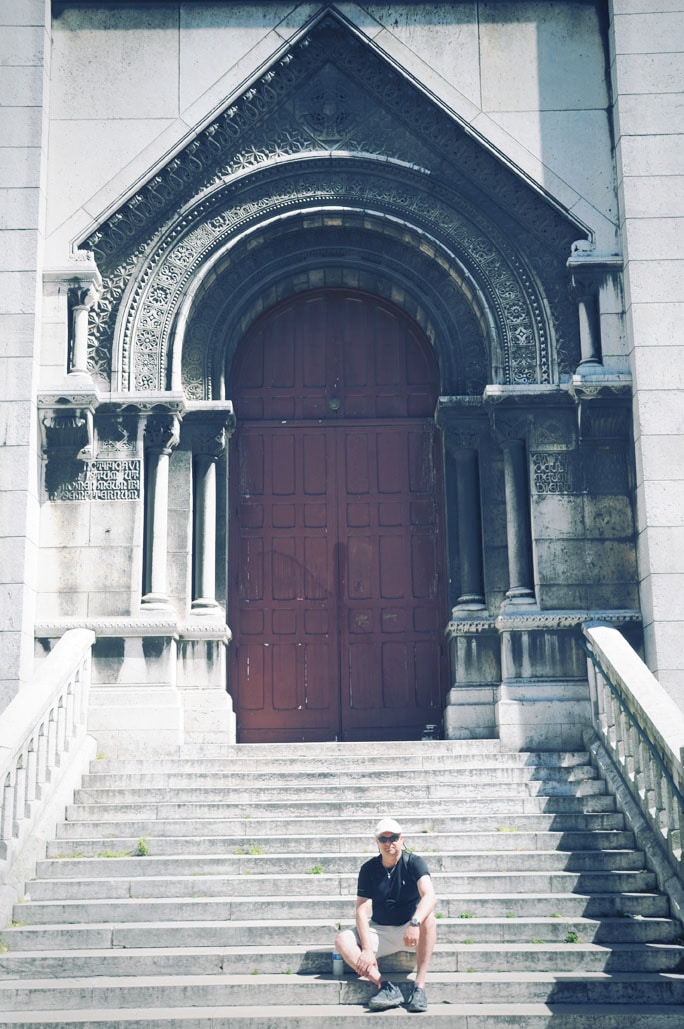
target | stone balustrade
[
  {"x": 641, "y": 730},
  {"x": 44, "y": 749}
]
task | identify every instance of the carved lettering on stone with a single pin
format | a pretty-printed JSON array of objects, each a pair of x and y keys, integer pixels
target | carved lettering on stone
[
  {"x": 103, "y": 480},
  {"x": 552, "y": 472}
]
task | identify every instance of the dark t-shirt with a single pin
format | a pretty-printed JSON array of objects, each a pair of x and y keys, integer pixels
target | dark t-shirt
[{"x": 395, "y": 895}]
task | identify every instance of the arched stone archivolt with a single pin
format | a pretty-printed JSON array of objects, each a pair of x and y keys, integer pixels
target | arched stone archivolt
[
  {"x": 486, "y": 267},
  {"x": 333, "y": 249}
]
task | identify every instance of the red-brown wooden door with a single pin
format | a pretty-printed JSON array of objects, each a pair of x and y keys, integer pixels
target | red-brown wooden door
[{"x": 337, "y": 600}]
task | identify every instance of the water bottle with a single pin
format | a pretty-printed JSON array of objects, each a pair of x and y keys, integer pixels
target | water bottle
[{"x": 337, "y": 965}]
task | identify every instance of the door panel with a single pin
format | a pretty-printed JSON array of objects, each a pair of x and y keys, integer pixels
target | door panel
[
  {"x": 391, "y": 602},
  {"x": 285, "y": 659},
  {"x": 337, "y": 591}
]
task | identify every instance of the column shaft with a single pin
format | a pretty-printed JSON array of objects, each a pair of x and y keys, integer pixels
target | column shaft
[
  {"x": 204, "y": 557},
  {"x": 469, "y": 529},
  {"x": 521, "y": 578}
]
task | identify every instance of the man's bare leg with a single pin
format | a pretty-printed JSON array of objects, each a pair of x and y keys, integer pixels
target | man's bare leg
[
  {"x": 347, "y": 946},
  {"x": 426, "y": 945}
]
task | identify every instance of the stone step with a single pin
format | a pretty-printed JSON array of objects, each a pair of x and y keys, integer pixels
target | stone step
[
  {"x": 336, "y": 810},
  {"x": 306, "y": 832},
  {"x": 364, "y": 765},
  {"x": 454, "y": 1016},
  {"x": 151, "y": 870},
  {"x": 325, "y": 795},
  {"x": 335, "y": 907},
  {"x": 295, "y": 778},
  {"x": 214, "y": 884},
  {"x": 552, "y": 927},
  {"x": 518, "y": 878},
  {"x": 291, "y": 989},
  {"x": 310, "y": 960},
  {"x": 261, "y": 844},
  {"x": 354, "y": 756},
  {"x": 495, "y": 844}
]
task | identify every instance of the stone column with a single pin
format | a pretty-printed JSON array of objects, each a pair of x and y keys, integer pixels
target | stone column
[
  {"x": 83, "y": 295},
  {"x": 518, "y": 531},
  {"x": 586, "y": 291},
  {"x": 162, "y": 434},
  {"x": 209, "y": 443},
  {"x": 511, "y": 432},
  {"x": 469, "y": 523}
]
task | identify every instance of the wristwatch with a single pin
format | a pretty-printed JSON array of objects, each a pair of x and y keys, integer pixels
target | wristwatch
[{"x": 415, "y": 921}]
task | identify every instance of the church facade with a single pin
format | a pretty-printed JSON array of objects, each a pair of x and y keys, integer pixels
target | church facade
[{"x": 342, "y": 368}]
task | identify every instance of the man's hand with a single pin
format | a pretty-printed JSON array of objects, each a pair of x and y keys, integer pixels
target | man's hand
[
  {"x": 411, "y": 936},
  {"x": 365, "y": 962}
]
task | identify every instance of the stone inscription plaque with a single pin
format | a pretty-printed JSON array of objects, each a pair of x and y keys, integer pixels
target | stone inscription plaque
[{"x": 103, "y": 480}]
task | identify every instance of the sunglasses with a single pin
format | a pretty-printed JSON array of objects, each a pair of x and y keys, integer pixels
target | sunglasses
[{"x": 387, "y": 839}]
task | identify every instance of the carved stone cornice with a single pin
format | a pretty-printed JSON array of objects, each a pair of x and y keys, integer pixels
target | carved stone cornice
[
  {"x": 527, "y": 621},
  {"x": 128, "y": 627},
  {"x": 209, "y": 630},
  {"x": 468, "y": 626}
]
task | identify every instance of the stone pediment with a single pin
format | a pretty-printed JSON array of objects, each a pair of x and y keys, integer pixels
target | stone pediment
[{"x": 390, "y": 148}]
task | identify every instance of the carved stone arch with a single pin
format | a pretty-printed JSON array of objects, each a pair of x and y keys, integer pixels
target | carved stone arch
[
  {"x": 332, "y": 249},
  {"x": 386, "y": 148},
  {"x": 502, "y": 275}
]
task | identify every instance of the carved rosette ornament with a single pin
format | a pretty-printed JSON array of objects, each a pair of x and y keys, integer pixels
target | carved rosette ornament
[{"x": 394, "y": 152}]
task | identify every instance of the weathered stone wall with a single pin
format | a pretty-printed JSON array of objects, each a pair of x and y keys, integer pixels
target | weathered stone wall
[
  {"x": 647, "y": 69},
  {"x": 24, "y": 87}
]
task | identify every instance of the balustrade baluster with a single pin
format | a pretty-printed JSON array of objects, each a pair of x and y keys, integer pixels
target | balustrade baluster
[
  {"x": 19, "y": 800},
  {"x": 41, "y": 759},
  {"x": 7, "y": 812},
  {"x": 61, "y": 731},
  {"x": 31, "y": 771},
  {"x": 51, "y": 762},
  {"x": 70, "y": 719}
]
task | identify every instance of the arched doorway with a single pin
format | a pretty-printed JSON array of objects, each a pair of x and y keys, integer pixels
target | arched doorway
[{"x": 337, "y": 597}]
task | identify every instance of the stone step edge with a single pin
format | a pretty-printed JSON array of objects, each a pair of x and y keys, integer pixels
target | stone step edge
[
  {"x": 319, "y": 948},
  {"x": 307, "y": 876},
  {"x": 314, "y": 979},
  {"x": 639, "y": 1016},
  {"x": 336, "y": 898},
  {"x": 332, "y": 923}
]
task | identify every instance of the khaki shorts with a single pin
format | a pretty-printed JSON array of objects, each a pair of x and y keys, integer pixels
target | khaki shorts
[{"x": 386, "y": 939}]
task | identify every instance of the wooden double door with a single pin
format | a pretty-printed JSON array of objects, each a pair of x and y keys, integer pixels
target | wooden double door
[{"x": 337, "y": 600}]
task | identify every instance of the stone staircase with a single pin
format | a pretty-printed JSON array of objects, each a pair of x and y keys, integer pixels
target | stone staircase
[{"x": 205, "y": 891}]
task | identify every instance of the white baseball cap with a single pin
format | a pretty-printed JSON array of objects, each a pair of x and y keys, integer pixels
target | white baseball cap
[{"x": 388, "y": 825}]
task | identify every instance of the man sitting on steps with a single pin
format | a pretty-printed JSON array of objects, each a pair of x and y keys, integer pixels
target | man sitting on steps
[{"x": 394, "y": 911}]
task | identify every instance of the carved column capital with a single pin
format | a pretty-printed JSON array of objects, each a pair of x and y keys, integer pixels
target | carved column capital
[
  {"x": 510, "y": 427},
  {"x": 162, "y": 432}
]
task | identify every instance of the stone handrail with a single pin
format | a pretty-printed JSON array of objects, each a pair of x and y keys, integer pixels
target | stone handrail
[
  {"x": 43, "y": 744},
  {"x": 641, "y": 730}
]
